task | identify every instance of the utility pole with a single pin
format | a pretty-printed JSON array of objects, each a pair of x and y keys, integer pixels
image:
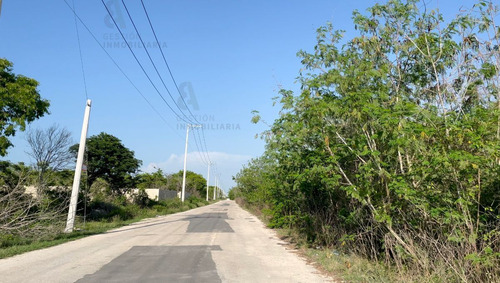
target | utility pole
[
  {"x": 185, "y": 160},
  {"x": 208, "y": 178},
  {"x": 221, "y": 191},
  {"x": 215, "y": 188},
  {"x": 70, "y": 223},
  {"x": 218, "y": 185}
]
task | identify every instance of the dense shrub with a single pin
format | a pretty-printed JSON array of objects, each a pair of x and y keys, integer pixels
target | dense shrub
[{"x": 392, "y": 148}]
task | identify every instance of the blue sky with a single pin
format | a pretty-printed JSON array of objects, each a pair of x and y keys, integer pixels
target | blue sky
[{"x": 227, "y": 57}]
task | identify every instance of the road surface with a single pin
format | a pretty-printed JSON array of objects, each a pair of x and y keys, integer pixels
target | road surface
[{"x": 216, "y": 243}]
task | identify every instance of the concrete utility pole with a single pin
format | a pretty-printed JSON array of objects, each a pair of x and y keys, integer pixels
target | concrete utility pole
[
  {"x": 70, "y": 223},
  {"x": 208, "y": 178},
  {"x": 215, "y": 188},
  {"x": 185, "y": 160},
  {"x": 218, "y": 185}
]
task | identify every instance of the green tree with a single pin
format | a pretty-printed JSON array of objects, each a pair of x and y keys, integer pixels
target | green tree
[
  {"x": 234, "y": 193},
  {"x": 392, "y": 147},
  {"x": 256, "y": 182},
  {"x": 20, "y": 103},
  {"x": 109, "y": 159},
  {"x": 195, "y": 183},
  {"x": 152, "y": 180}
]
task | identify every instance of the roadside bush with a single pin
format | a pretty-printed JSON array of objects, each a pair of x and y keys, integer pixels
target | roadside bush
[
  {"x": 141, "y": 198},
  {"x": 172, "y": 203},
  {"x": 99, "y": 210},
  {"x": 160, "y": 208},
  {"x": 100, "y": 191},
  {"x": 392, "y": 147}
]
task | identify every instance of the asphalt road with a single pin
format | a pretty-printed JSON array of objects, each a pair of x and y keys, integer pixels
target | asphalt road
[{"x": 215, "y": 243}]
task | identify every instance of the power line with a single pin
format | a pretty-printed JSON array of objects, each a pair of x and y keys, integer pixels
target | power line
[
  {"x": 205, "y": 142},
  {"x": 153, "y": 63},
  {"x": 204, "y": 150},
  {"x": 80, "y": 51},
  {"x": 165, "y": 60},
  {"x": 185, "y": 118},
  {"x": 140, "y": 65},
  {"x": 200, "y": 151},
  {"x": 171, "y": 75},
  {"x": 120, "y": 69},
  {"x": 86, "y": 98}
]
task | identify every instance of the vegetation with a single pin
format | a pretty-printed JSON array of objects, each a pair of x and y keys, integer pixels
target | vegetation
[
  {"x": 50, "y": 150},
  {"x": 29, "y": 221},
  {"x": 157, "y": 180},
  {"x": 20, "y": 103},
  {"x": 34, "y": 218},
  {"x": 102, "y": 217},
  {"x": 196, "y": 184},
  {"x": 20, "y": 212},
  {"x": 391, "y": 151},
  {"x": 109, "y": 159}
]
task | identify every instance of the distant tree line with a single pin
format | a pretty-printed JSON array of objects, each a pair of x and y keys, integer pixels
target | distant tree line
[{"x": 34, "y": 199}]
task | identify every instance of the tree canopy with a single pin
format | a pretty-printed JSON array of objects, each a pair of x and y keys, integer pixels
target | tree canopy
[
  {"x": 392, "y": 147},
  {"x": 109, "y": 159},
  {"x": 195, "y": 183},
  {"x": 20, "y": 103},
  {"x": 157, "y": 180}
]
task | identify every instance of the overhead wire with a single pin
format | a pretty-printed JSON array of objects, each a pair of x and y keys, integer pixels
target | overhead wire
[
  {"x": 165, "y": 60},
  {"x": 205, "y": 157},
  {"x": 202, "y": 141},
  {"x": 173, "y": 79},
  {"x": 141, "y": 66},
  {"x": 81, "y": 56},
  {"x": 120, "y": 69},
  {"x": 153, "y": 63},
  {"x": 196, "y": 138},
  {"x": 205, "y": 142},
  {"x": 185, "y": 118},
  {"x": 86, "y": 189}
]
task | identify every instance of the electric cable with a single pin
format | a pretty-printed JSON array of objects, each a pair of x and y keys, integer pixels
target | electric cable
[
  {"x": 140, "y": 65},
  {"x": 200, "y": 152},
  {"x": 153, "y": 63},
  {"x": 86, "y": 98},
  {"x": 121, "y": 70},
  {"x": 165, "y": 60},
  {"x": 171, "y": 75},
  {"x": 80, "y": 51}
]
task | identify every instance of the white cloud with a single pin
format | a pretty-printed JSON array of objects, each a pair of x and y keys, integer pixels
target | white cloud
[{"x": 227, "y": 165}]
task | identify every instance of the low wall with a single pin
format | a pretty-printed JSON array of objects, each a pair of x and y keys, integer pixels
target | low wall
[{"x": 159, "y": 194}]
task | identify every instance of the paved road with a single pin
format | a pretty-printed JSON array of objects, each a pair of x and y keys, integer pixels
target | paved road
[{"x": 215, "y": 243}]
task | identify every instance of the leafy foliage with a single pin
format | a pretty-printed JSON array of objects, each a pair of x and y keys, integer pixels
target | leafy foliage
[
  {"x": 196, "y": 184},
  {"x": 152, "y": 180},
  {"x": 109, "y": 159},
  {"x": 20, "y": 103},
  {"x": 392, "y": 148}
]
